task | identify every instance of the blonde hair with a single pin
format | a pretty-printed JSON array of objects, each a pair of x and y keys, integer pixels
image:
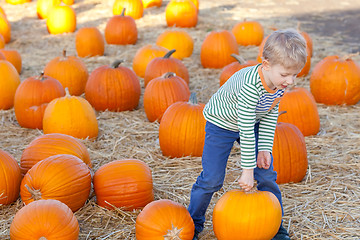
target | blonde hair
[{"x": 287, "y": 48}]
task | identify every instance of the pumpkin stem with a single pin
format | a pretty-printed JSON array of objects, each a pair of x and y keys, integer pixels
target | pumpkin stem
[
  {"x": 41, "y": 76},
  {"x": 43, "y": 238},
  {"x": 35, "y": 193},
  {"x": 123, "y": 12},
  {"x": 349, "y": 56},
  {"x": 117, "y": 63},
  {"x": 173, "y": 233},
  {"x": 63, "y": 57},
  {"x": 298, "y": 26},
  {"x": 67, "y": 93},
  {"x": 282, "y": 112},
  {"x": 169, "y": 53},
  {"x": 238, "y": 58},
  {"x": 169, "y": 75},
  {"x": 192, "y": 99}
]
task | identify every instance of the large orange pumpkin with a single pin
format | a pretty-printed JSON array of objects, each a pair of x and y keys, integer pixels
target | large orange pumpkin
[
  {"x": 89, "y": 42},
  {"x": 124, "y": 184},
  {"x": 14, "y": 57},
  {"x": 61, "y": 19},
  {"x": 179, "y": 40},
  {"x": 301, "y": 110},
  {"x": 48, "y": 145},
  {"x": 45, "y": 219},
  {"x": 62, "y": 177},
  {"x": 70, "y": 71},
  {"x": 182, "y": 129},
  {"x": 336, "y": 81},
  {"x": 164, "y": 219},
  {"x": 240, "y": 214},
  {"x": 115, "y": 87},
  {"x": 217, "y": 48},
  {"x": 161, "y": 92},
  {"x": 10, "y": 178},
  {"x": 43, "y": 7},
  {"x": 289, "y": 152},
  {"x": 134, "y": 8},
  {"x": 181, "y": 13},
  {"x": 5, "y": 28},
  {"x": 248, "y": 33},
  {"x": 71, "y": 115},
  {"x": 161, "y": 65},
  {"x": 9, "y": 82},
  {"x": 32, "y": 97}
]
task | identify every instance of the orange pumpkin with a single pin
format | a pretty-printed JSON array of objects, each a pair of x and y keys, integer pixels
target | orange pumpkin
[
  {"x": 289, "y": 152},
  {"x": 261, "y": 49},
  {"x": 161, "y": 65},
  {"x": 32, "y": 97},
  {"x": 134, "y": 8},
  {"x": 181, "y": 13},
  {"x": 5, "y": 28},
  {"x": 232, "y": 68},
  {"x": 144, "y": 55},
  {"x": 182, "y": 129},
  {"x": 336, "y": 81},
  {"x": 62, "y": 177},
  {"x": 43, "y": 7},
  {"x": 161, "y": 92},
  {"x": 9, "y": 82},
  {"x": 240, "y": 214},
  {"x": 248, "y": 33},
  {"x": 14, "y": 57},
  {"x": 61, "y": 19},
  {"x": 306, "y": 69},
  {"x": 70, "y": 71},
  {"x": 2, "y": 56},
  {"x": 2, "y": 11},
  {"x": 121, "y": 30},
  {"x": 71, "y": 115},
  {"x": 10, "y": 178},
  {"x": 164, "y": 219},
  {"x": 308, "y": 39},
  {"x": 89, "y": 42},
  {"x": 151, "y": 3},
  {"x": 217, "y": 48},
  {"x": 301, "y": 110},
  {"x": 179, "y": 40},
  {"x": 115, "y": 87},
  {"x": 2, "y": 43},
  {"x": 15, "y": 2},
  {"x": 124, "y": 184},
  {"x": 48, "y": 145}
]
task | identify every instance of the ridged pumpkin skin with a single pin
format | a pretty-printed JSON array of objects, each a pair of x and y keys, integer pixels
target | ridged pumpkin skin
[
  {"x": 151, "y": 3},
  {"x": 248, "y": 33},
  {"x": 71, "y": 115},
  {"x": 10, "y": 178},
  {"x": 301, "y": 110},
  {"x": 124, "y": 184},
  {"x": 61, "y": 19},
  {"x": 179, "y": 40},
  {"x": 116, "y": 88},
  {"x": 239, "y": 214},
  {"x": 161, "y": 65},
  {"x": 336, "y": 81},
  {"x": 181, "y": 13},
  {"x": 43, "y": 7},
  {"x": 164, "y": 219},
  {"x": 217, "y": 48},
  {"x": 14, "y": 57},
  {"x": 289, "y": 152},
  {"x": 9, "y": 82},
  {"x": 89, "y": 42},
  {"x": 62, "y": 177},
  {"x": 134, "y": 8},
  {"x": 161, "y": 92},
  {"x": 121, "y": 30},
  {"x": 70, "y": 71},
  {"x": 45, "y": 219},
  {"x": 182, "y": 129},
  {"x": 32, "y": 97},
  {"x": 5, "y": 28},
  {"x": 48, "y": 145}
]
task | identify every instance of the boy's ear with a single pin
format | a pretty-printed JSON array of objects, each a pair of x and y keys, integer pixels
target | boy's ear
[{"x": 266, "y": 65}]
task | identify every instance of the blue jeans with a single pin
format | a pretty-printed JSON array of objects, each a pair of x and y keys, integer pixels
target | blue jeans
[{"x": 217, "y": 147}]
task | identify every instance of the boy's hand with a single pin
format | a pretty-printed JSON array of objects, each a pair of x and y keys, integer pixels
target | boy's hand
[
  {"x": 263, "y": 159},
  {"x": 246, "y": 180}
]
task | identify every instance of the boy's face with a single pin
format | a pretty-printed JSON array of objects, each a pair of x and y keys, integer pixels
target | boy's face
[{"x": 278, "y": 76}]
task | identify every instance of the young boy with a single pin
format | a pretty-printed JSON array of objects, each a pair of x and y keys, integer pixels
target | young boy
[{"x": 245, "y": 109}]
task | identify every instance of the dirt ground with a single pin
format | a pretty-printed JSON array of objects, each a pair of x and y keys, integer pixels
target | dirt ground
[{"x": 325, "y": 205}]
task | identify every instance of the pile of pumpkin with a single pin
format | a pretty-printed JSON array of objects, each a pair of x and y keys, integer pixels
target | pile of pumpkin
[{"x": 54, "y": 177}]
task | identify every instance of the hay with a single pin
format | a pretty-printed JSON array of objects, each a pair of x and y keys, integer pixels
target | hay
[{"x": 325, "y": 205}]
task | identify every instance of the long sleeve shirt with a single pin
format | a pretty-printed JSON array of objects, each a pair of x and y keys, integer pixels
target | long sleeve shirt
[{"x": 239, "y": 104}]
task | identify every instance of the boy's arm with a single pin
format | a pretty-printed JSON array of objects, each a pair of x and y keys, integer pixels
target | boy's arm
[{"x": 267, "y": 130}]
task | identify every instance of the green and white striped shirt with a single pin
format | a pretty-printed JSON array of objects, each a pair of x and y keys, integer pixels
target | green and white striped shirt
[{"x": 239, "y": 104}]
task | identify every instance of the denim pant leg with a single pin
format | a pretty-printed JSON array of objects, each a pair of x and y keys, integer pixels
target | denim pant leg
[
  {"x": 217, "y": 147},
  {"x": 266, "y": 178}
]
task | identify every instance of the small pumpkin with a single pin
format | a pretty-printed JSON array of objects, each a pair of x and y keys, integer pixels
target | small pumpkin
[
  {"x": 9, "y": 82},
  {"x": 62, "y": 177},
  {"x": 125, "y": 184},
  {"x": 32, "y": 97},
  {"x": 181, "y": 13},
  {"x": 115, "y": 87},
  {"x": 89, "y": 42},
  {"x": 61, "y": 19},
  {"x": 164, "y": 219},
  {"x": 217, "y": 48},
  {"x": 10, "y": 178},
  {"x": 43, "y": 7},
  {"x": 51, "y": 144},
  {"x": 14, "y": 57},
  {"x": 182, "y": 129},
  {"x": 121, "y": 30},
  {"x": 134, "y": 8},
  {"x": 45, "y": 219},
  {"x": 5, "y": 28},
  {"x": 248, "y": 33},
  {"x": 161, "y": 65},
  {"x": 161, "y": 92},
  {"x": 179, "y": 40},
  {"x": 151, "y": 3},
  {"x": 239, "y": 213}
]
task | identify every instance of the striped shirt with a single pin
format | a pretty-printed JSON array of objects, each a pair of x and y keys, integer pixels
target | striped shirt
[{"x": 239, "y": 104}]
